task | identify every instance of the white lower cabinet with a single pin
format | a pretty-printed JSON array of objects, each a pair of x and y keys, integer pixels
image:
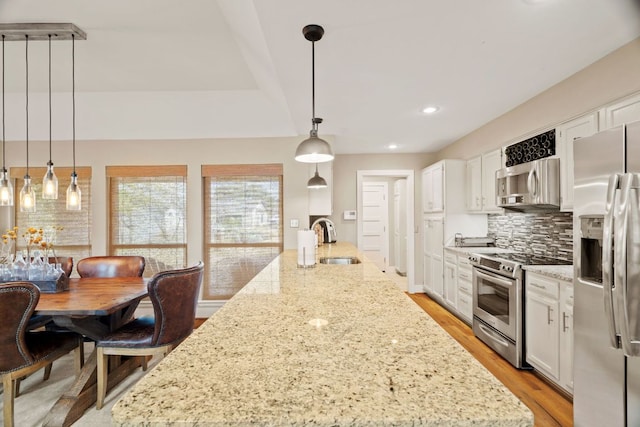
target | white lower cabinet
[
  {"x": 450, "y": 281},
  {"x": 549, "y": 328}
]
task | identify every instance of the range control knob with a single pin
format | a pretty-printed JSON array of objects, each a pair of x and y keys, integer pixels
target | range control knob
[
  {"x": 506, "y": 268},
  {"x": 473, "y": 258}
]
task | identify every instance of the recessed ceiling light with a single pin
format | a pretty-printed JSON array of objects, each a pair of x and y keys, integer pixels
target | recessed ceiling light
[
  {"x": 430, "y": 109},
  {"x": 392, "y": 146}
]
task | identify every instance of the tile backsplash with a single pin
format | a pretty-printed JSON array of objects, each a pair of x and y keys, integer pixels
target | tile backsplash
[{"x": 546, "y": 234}]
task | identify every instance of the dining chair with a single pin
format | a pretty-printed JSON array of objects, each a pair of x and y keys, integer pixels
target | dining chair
[
  {"x": 24, "y": 352},
  {"x": 174, "y": 296},
  {"x": 111, "y": 266}
]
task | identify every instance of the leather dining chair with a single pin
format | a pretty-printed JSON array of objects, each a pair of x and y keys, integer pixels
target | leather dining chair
[
  {"x": 174, "y": 296},
  {"x": 111, "y": 266},
  {"x": 25, "y": 352},
  {"x": 39, "y": 320}
]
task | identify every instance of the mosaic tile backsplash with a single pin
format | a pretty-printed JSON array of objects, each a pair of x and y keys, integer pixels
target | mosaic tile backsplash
[{"x": 545, "y": 234}]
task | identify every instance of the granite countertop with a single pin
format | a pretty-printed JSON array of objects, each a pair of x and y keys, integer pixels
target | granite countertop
[
  {"x": 562, "y": 272},
  {"x": 326, "y": 346}
]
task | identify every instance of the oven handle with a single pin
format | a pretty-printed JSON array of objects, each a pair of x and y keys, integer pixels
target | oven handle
[
  {"x": 491, "y": 334},
  {"x": 494, "y": 278}
]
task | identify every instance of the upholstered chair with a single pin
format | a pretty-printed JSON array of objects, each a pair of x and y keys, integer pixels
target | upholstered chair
[
  {"x": 111, "y": 266},
  {"x": 25, "y": 352},
  {"x": 174, "y": 296}
]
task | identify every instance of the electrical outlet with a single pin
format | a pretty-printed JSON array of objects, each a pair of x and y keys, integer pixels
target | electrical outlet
[{"x": 294, "y": 223}]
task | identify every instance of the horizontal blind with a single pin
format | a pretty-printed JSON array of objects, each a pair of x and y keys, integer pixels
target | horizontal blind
[
  {"x": 242, "y": 222},
  {"x": 74, "y": 235},
  {"x": 147, "y": 214}
]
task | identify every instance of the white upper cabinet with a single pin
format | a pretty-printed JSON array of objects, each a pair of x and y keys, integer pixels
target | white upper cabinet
[
  {"x": 432, "y": 188},
  {"x": 481, "y": 182},
  {"x": 321, "y": 199},
  {"x": 566, "y": 133},
  {"x": 625, "y": 111}
]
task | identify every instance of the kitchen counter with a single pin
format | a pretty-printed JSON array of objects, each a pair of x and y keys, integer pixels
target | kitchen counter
[
  {"x": 475, "y": 249},
  {"x": 562, "y": 272},
  {"x": 326, "y": 346}
]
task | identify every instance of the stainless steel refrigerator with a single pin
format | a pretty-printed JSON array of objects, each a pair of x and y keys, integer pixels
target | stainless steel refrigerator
[{"x": 607, "y": 278}]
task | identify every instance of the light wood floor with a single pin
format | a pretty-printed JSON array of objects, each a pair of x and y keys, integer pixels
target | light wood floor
[{"x": 549, "y": 407}]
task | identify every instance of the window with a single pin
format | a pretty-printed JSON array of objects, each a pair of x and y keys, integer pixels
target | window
[
  {"x": 74, "y": 240},
  {"x": 147, "y": 214},
  {"x": 242, "y": 223}
]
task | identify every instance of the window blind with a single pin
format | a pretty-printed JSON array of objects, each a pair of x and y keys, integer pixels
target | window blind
[
  {"x": 242, "y": 223},
  {"x": 147, "y": 214},
  {"x": 74, "y": 237}
]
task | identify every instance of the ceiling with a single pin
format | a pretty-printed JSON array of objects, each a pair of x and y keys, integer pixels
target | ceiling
[{"x": 155, "y": 69}]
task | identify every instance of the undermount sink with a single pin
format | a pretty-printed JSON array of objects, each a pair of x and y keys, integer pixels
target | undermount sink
[{"x": 339, "y": 260}]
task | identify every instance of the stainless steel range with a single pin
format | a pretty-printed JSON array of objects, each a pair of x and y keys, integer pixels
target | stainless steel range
[{"x": 498, "y": 300}]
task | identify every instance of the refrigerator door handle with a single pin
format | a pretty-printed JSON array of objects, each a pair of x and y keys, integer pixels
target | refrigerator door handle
[
  {"x": 628, "y": 293},
  {"x": 607, "y": 262}
]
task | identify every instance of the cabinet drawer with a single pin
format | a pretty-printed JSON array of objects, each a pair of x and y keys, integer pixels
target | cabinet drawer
[
  {"x": 450, "y": 257},
  {"x": 542, "y": 286},
  {"x": 464, "y": 274},
  {"x": 463, "y": 261},
  {"x": 465, "y": 305},
  {"x": 465, "y": 285}
]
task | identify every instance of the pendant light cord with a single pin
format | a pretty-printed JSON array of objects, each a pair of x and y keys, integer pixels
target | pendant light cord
[
  {"x": 313, "y": 85},
  {"x": 50, "y": 98},
  {"x": 26, "y": 56},
  {"x": 3, "y": 152},
  {"x": 73, "y": 97}
]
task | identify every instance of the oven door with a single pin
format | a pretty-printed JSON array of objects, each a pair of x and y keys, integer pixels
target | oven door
[{"x": 495, "y": 301}]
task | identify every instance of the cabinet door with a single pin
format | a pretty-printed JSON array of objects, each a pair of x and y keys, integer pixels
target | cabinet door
[
  {"x": 491, "y": 162},
  {"x": 427, "y": 264},
  {"x": 542, "y": 340},
  {"x": 566, "y": 337},
  {"x": 427, "y": 190},
  {"x": 625, "y": 111},
  {"x": 450, "y": 285},
  {"x": 437, "y": 256},
  {"x": 438, "y": 187},
  {"x": 566, "y": 133},
  {"x": 474, "y": 184}
]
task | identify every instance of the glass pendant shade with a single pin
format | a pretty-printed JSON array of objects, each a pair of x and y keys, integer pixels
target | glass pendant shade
[
  {"x": 50, "y": 183},
  {"x": 74, "y": 196},
  {"x": 314, "y": 150},
  {"x": 6, "y": 189},
  {"x": 316, "y": 180},
  {"x": 27, "y": 196}
]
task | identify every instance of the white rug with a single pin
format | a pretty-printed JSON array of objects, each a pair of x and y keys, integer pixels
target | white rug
[{"x": 37, "y": 396}]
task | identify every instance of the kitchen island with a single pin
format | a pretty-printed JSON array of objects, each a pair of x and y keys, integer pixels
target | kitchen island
[{"x": 334, "y": 345}]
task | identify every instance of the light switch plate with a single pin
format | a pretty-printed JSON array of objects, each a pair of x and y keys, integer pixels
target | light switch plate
[
  {"x": 294, "y": 223},
  {"x": 349, "y": 215}
]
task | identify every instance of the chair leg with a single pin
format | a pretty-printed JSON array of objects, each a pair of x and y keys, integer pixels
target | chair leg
[
  {"x": 8, "y": 385},
  {"x": 47, "y": 371},
  {"x": 102, "y": 378}
]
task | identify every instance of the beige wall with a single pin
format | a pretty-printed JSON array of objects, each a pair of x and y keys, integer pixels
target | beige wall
[{"x": 612, "y": 77}]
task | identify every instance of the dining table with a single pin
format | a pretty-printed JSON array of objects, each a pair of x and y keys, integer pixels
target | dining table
[{"x": 92, "y": 307}]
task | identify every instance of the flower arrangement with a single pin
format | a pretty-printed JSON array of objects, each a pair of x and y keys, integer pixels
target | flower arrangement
[{"x": 34, "y": 238}]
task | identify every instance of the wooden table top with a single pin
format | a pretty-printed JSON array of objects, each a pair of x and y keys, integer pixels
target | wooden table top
[{"x": 93, "y": 296}]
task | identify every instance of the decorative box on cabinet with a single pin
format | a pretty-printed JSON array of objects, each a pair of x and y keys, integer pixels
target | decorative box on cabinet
[
  {"x": 549, "y": 331},
  {"x": 321, "y": 199}
]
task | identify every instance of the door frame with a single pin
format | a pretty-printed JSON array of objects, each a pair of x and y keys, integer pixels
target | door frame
[{"x": 409, "y": 174}]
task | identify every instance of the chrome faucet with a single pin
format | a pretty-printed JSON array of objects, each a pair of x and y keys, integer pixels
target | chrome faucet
[{"x": 328, "y": 228}]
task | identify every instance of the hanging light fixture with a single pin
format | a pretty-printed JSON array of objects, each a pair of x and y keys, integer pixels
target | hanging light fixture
[
  {"x": 74, "y": 195},
  {"x": 317, "y": 181},
  {"x": 50, "y": 180},
  {"x": 27, "y": 194},
  {"x": 313, "y": 149},
  {"x": 6, "y": 188}
]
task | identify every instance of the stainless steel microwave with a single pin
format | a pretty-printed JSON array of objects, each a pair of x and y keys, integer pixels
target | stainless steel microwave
[{"x": 532, "y": 186}]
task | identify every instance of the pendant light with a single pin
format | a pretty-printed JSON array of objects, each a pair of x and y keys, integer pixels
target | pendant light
[
  {"x": 27, "y": 194},
  {"x": 313, "y": 149},
  {"x": 317, "y": 181},
  {"x": 74, "y": 195},
  {"x": 50, "y": 180},
  {"x": 6, "y": 188}
]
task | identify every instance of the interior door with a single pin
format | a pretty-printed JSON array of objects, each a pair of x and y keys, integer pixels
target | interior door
[{"x": 375, "y": 223}]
